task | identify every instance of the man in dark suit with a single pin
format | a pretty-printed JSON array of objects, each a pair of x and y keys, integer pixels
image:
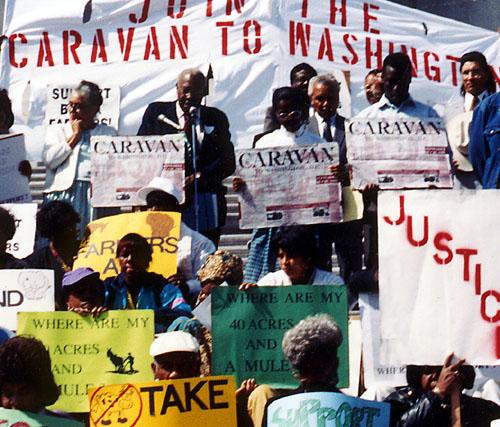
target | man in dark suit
[
  {"x": 324, "y": 93},
  {"x": 209, "y": 157}
]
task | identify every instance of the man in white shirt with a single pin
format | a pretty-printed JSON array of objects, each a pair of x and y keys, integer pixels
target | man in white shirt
[
  {"x": 396, "y": 102},
  {"x": 162, "y": 195}
]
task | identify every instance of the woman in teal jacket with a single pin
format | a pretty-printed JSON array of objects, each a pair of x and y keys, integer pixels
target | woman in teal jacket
[{"x": 136, "y": 288}]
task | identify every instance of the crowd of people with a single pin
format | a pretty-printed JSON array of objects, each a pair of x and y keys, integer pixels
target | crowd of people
[{"x": 303, "y": 113}]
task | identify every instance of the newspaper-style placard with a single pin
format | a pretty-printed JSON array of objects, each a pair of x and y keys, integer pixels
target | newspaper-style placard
[
  {"x": 314, "y": 409},
  {"x": 58, "y": 97},
  {"x": 21, "y": 245},
  {"x": 409, "y": 153},
  {"x": 12, "y": 152},
  {"x": 24, "y": 290},
  {"x": 291, "y": 184},
  {"x": 122, "y": 165}
]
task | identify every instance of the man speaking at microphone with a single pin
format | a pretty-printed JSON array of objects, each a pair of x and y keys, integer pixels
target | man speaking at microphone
[{"x": 209, "y": 153}]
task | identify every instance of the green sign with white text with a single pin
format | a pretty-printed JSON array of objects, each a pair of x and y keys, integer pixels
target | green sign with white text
[
  {"x": 87, "y": 352},
  {"x": 248, "y": 327}
]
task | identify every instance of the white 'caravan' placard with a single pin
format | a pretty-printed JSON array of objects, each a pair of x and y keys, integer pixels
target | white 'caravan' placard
[{"x": 439, "y": 278}]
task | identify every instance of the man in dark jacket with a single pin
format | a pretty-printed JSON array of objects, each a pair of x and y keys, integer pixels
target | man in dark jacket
[
  {"x": 427, "y": 399},
  {"x": 209, "y": 158}
]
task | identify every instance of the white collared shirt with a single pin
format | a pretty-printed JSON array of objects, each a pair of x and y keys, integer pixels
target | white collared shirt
[
  {"x": 384, "y": 109},
  {"x": 469, "y": 99},
  {"x": 281, "y": 137}
]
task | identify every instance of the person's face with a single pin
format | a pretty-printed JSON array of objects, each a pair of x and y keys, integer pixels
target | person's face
[
  {"x": 176, "y": 365},
  {"x": 396, "y": 84},
  {"x": 301, "y": 80},
  {"x": 289, "y": 115},
  {"x": 132, "y": 260},
  {"x": 429, "y": 381},
  {"x": 296, "y": 268},
  {"x": 325, "y": 100},
  {"x": 373, "y": 87},
  {"x": 85, "y": 295},
  {"x": 474, "y": 78},
  {"x": 80, "y": 109},
  {"x": 190, "y": 89},
  {"x": 21, "y": 397}
]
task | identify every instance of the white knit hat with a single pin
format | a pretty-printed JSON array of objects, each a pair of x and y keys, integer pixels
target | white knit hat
[{"x": 169, "y": 342}]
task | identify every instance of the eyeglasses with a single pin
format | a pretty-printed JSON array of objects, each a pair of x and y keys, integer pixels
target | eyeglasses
[
  {"x": 295, "y": 114},
  {"x": 78, "y": 107}
]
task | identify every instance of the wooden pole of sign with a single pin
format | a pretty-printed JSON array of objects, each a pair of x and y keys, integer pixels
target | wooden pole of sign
[{"x": 456, "y": 420}]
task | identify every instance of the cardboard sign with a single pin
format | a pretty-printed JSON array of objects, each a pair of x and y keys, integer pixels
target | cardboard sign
[
  {"x": 21, "y": 245},
  {"x": 375, "y": 372},
  {"x": 14, "y": 418},
  {"x": 24, "y": 290},
  {"x": 248, "y": 327},
  {"x": 207, "y": 401},
  {"x": 122, "y": 165},
  {"x": 160, "y": 229},
  {"x": 88, "y": 352},
  {"x": 326, "y": 409},
  {"x": 288, "y": 185},
  {"x": 439, "y": 276},
  {"x": 58, "y": 96},
  {"x": 409, "y": 153},
  {"x": 12, "y": 152}
]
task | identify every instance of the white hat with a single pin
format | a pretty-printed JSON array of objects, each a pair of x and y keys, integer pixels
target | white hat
[
  {"x": 160, "y": 183},
  {"x": 169, "y": 342}
]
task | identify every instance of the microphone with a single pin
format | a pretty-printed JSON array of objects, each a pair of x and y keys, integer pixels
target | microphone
[
  {"x": 192, "y": 112},
  {"x": 165, "y": 119}
]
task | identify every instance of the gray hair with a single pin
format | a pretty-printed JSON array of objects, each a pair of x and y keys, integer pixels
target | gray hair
[
  {"x": 327, "y": 79},
  {"x": 312, "y": 335}
]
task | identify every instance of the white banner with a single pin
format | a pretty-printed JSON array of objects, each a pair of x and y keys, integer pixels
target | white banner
[
  {"x": 251, "y": 45},
  {"x": 21, "y": 245},
  {"x": 121, "y": 166},
  {"x": 439, "y": 276},
  {"x": 58, "y": 96},
  {"x": 376, "y": 373},
  {"x": 409, "y": 153},
  {"x": 24, "y": 290},
  {"x": 12, "y": 152},
  {"x": 288, "y": 185}
]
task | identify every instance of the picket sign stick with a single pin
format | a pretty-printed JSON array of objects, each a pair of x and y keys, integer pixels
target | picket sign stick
[{"x": 456, "y": 420}]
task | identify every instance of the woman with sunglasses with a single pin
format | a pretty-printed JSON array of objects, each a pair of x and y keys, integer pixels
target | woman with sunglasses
[{"x": 67, "y": 153}]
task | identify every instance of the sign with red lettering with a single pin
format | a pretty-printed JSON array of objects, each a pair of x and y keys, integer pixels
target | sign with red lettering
[
  {"x": 249, "y": 45},
  {"x": 439, "y": 276}
]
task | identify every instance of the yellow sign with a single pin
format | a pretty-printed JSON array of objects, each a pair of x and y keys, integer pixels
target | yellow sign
[
  {"x": 160, "y": 229},
  {"x": 207, "y": 402}
]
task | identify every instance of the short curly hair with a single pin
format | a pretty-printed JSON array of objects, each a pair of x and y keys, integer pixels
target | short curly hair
[
  {"x": 24, "y": 360},
  {"x": 317, "y": 335},
  {"x": 55, "y": 216},
  {"x": 8, "y": 222},
  {"x": 222, "y": 266}
]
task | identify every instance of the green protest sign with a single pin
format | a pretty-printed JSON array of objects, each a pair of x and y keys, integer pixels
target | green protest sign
[
  {"x": 248, "y": 326},
  {"x": 88, "y": 352},
  {"x": 13, "y": 418}
]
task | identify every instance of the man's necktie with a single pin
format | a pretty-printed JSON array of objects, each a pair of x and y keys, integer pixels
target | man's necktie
[{"x": 327, "y": 132}]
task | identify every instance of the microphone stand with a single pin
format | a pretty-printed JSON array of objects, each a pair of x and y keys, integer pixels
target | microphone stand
[{"x": 193, "y": 150}]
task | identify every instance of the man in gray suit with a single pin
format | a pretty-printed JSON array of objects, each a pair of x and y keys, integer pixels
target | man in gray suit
[{"x": 324, "y": 121}]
